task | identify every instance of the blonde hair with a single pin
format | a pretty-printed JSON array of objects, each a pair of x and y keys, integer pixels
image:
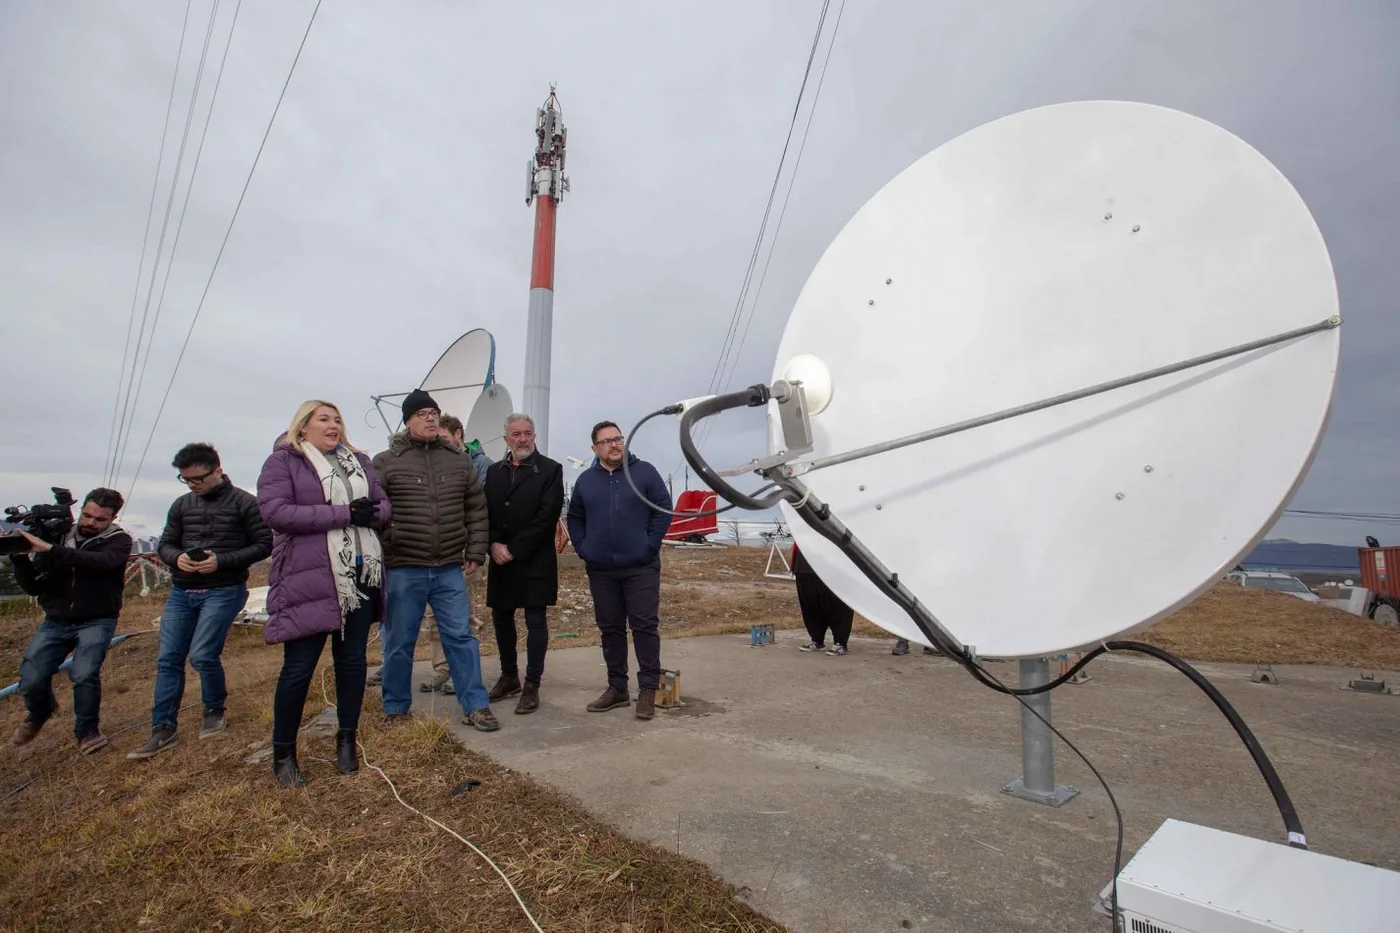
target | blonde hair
[{"x": 303, "y": 416}]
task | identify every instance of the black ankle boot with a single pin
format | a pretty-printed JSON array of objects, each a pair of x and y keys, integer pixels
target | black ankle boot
[
  {"x": 284, "y": 765},
  {"x": 346, "y": 761}
]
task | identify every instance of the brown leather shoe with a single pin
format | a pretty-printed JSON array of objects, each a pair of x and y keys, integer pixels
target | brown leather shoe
[
  {"x": 529, "y": 699},
  {"x": 24, "y": 733},
  {"x": 610, "y": 699},
  {"x": 507, "y": 686},
  {"x": 646, "y": 703}
]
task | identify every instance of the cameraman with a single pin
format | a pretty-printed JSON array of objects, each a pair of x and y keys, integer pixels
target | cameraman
[
  {"x": 212, "y": 535},
  {"x": 79, "y": 585}
]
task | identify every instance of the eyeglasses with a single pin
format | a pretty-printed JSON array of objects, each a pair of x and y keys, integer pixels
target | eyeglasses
[
  {"x": 195, "y": 480},
  {"x": 606, "y": 441},
  {"x": 427, "y": 414}
]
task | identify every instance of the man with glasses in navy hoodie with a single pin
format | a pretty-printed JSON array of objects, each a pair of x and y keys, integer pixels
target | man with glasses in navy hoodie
[{"x": 619, "y": 537}]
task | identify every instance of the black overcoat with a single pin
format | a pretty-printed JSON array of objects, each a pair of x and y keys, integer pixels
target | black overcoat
[{"x": 523, "y": 502}]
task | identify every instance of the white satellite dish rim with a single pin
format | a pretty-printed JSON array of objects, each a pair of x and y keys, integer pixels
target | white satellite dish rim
[
  {"x": 848, "y": 582},
  {"x": 485, "y": 422},
  {"x": 448, "y": 386}
]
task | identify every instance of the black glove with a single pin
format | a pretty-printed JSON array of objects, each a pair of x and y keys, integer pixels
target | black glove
[{"x": 362, "y": 513}]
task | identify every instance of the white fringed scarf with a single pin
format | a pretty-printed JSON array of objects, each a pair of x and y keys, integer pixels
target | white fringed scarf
[{"x": 345, "y": 543}]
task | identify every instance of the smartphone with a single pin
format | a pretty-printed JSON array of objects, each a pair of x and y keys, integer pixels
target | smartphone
[{"x": 198, "y": 554}]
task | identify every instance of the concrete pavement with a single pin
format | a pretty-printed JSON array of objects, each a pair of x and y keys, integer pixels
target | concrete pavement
[{"x": 864, "y": 793}]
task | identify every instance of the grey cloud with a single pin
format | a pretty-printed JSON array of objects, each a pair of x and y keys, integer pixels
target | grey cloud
[{"x": 387, "y": 214}]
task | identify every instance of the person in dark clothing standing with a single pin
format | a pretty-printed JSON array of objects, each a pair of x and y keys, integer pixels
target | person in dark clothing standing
[
  {"x": 619, "y": 538},
  {"x": 212, "y": 535},
  {"x": 79, "y": 585},
  {"x": 524, "y": 496},
  {"x": 822, "y": 610}
]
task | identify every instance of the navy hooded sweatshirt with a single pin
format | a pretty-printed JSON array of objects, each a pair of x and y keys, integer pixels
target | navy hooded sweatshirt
[{"x": 610, "y": 527}]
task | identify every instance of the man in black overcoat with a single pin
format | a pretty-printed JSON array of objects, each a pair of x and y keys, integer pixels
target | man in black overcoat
[{"x": 524, "y": 497}]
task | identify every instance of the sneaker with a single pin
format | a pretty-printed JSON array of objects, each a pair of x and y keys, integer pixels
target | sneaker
[
  {"x": 901, "y": 646},
  {"x": 836, "y": 651},
  {"x": 483, "y": 720},
  {"x": 92, "y": 743},
  {"x": 439, "y": 678},
  {"x": 610, "y": 698},
  {"x": 376, "y": 679},
  {"x": 26, "y": 731},
  {"x": 812, "y": 646},
  {"x": 214, "y": 722},
  {"x": 162, "y": 737}
]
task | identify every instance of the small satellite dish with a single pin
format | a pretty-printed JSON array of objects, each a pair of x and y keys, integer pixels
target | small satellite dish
[
  {"x": 1043, "y": 253},
  {"x": 486, "y": 422},
  {"x": 464, "y": 368},
  {"x": 454, "y": 381}
]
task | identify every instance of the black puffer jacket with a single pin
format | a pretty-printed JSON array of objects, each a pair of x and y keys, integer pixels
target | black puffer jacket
[
  {"x": 227, "y": 522},
  {"x": 439, "y": 507},
  {"x": 80, "y": 580}
]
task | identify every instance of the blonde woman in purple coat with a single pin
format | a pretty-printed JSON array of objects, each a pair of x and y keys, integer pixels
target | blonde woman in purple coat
[{"x": 323, "y": 502}]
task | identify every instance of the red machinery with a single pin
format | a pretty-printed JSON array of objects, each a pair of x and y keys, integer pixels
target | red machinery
[{"x": 693, "y": 527}]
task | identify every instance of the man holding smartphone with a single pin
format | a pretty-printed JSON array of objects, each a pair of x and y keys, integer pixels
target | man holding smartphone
[{"x": 213, "y": 534}]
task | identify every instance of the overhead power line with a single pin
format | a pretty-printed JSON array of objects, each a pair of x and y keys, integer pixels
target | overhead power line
[
  {"x": 222, "y": 246},
  {"x": 140, "y": 362},
  {"x": 107, "y": 477}
]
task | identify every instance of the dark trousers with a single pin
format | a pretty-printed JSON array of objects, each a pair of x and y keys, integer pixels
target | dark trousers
[
  {"x": 536, "y": 642},
  {"x": 299, "y": 657},
  {"x": 631, "y": 596},
  {"x": 823, "y": 610},
  {"x": 50, "y": 645}
]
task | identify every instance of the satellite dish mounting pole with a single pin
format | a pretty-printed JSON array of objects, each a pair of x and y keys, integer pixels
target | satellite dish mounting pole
[{"x": 546, "y": 185}]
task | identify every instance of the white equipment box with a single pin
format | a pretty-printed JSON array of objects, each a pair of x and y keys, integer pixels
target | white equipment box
[{"x": 1192, "y": 879}]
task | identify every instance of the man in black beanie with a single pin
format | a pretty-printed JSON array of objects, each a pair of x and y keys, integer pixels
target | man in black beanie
[{"x": 439, "y": 525}]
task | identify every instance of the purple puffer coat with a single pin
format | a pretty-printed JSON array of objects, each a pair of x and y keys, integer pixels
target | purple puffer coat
[{"x": 301, "y": 597}]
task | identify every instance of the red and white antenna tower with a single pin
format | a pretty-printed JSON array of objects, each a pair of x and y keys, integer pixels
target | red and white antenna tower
[{"x": 546, "y": 186}]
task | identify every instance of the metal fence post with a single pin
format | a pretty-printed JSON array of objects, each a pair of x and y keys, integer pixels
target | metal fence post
[{"x": 1037, "y": 780}]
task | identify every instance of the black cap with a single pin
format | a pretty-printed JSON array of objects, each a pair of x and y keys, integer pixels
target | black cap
[{"x": 417, "y": 401}]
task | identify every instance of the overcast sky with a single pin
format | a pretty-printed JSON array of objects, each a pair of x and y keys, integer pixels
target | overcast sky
[{"x": 387, "y": 214}]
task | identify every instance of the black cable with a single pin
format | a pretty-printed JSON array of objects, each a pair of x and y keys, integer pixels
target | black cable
[
  {"x": 199, "y": 308},
  {"x": 627, "y": 472},
  {"x": 819, "y": 517}
]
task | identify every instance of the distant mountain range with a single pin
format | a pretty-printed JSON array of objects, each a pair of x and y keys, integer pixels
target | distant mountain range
[{"x": 1294, "y": 557}]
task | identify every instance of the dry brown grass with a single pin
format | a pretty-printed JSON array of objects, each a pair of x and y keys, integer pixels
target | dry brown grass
[
  {"x": 196, "y": 838},
  {"x": 1230, "y": 623}
]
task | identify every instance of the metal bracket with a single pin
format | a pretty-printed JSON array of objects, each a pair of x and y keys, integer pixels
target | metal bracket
[
  {"x": 1264, "y": 674},
  {"x": 1368, "y": 684}
]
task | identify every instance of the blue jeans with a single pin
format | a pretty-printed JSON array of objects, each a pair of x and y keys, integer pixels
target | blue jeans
[
  {"x": 411, "y": 590},
  {"x": 50, "y": 645},
  {"x": 193, "y": 626}
]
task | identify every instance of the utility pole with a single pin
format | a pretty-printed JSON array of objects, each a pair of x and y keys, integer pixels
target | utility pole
[{"x": 546, "y": 186}]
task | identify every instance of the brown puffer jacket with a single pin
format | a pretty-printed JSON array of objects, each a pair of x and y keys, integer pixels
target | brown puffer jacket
[{"x": 439, "y": 506}]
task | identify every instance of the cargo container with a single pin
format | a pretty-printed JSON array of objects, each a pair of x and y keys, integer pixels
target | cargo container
[{"x": 1380, "y": 574}]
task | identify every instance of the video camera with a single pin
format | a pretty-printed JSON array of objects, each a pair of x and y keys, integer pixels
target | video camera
[{"x": 48, "y": 523}]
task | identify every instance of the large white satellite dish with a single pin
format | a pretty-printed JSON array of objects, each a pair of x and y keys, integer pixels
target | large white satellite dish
[
  {"x": 486, "y": 422},
  {"x": 1039, "y": 254}
]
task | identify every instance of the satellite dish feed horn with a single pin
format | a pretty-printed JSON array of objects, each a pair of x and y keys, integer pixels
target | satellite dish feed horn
[{"x": 1015, "y": 379}]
